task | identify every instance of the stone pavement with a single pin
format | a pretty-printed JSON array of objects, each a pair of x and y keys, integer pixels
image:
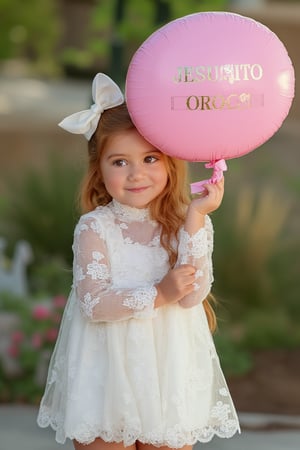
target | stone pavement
[{"x": 18, "y": 431}]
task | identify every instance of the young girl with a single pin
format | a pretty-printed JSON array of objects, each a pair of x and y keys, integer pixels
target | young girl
[{"x": 135, "y": 363}]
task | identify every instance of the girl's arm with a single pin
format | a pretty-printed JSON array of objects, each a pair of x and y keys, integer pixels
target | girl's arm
[
  {"x": 98, "y": 299},
  {"x": 196, "y": 249},
  {"x": 196, "y": 242}
]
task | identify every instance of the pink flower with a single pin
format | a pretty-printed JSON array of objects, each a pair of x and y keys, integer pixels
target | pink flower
[
  {"x": 13, "y": 351},
  {"x": 59, "y": 301},
  {"x": 17, "y": 337},
  {"x": 36, "y": 340},
  {"x": 51, "y": 334},
  {"x": 41, "y": 312}
]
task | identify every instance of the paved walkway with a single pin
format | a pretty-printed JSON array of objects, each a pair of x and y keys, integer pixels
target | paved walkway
[
  {"x": 18, "y": 431},
  {"x": 40, "y": 102}
]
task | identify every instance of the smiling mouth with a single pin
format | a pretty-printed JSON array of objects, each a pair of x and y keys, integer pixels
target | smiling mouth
[{"x": 138, "y": 189}]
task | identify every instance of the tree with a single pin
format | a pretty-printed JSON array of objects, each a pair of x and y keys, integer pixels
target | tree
[
  {"x": 117, "y": 28},
  {"x": 30, "y": 30}
]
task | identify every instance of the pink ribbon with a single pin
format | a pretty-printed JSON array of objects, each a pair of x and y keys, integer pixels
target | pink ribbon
[{"x": 218, "y": 168}]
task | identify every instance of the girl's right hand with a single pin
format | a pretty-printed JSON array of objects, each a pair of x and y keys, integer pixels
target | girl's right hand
[
  {"x": 175, "y": 285},
  {"x": 202, "y": 205}
]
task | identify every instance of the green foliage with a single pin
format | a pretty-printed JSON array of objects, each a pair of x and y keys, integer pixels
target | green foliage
[
  {"x": 50, "y": 277},
  {"x": 256, "y": 329},
  {"x": 249, "y": 237},
  {"x": 3, "y": 206},
  {"x": 111, "y": 33},
  {"x": 180, "y": 8},
  {"x": 234, "y": 359},
  {"x": 270, "y": 329},
  {"x": 31, "y": 30},
  {"x": 41, "y": 209},
  {"x": 256, "y": 266}
]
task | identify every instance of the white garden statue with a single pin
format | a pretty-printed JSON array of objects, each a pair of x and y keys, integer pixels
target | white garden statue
[{"x": 13, "y": 278}]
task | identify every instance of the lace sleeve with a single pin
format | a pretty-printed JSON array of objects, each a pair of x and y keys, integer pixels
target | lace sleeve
[
  {"x": 99, "y": 300},
  {"x": 197, "y": 250}
]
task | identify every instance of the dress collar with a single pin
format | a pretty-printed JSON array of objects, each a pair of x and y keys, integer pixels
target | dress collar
[{"x": 129, "y": 213}]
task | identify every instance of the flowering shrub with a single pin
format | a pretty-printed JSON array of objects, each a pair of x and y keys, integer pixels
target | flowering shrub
[{"x": 30, "y": 347}]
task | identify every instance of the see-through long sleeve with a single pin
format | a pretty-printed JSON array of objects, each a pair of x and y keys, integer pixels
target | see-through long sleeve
[
  {"x": 99, "y": 299},
  {"x": 197, "y": 250}
]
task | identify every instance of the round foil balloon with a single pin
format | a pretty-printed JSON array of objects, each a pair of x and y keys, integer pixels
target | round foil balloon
[{"x": 210, "y": 86}]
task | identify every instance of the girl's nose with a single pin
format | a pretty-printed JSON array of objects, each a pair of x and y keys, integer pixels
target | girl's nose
[{"x": 135, "y": 172}]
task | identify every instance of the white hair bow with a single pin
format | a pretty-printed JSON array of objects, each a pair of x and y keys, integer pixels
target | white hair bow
[{"x": 106, "y": 94}]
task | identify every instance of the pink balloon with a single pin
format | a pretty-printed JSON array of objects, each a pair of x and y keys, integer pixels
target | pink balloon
[{"x": 210, "y": 86}]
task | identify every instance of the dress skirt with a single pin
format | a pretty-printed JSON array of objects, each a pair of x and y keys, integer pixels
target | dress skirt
[{"x": 156, "y": 380}]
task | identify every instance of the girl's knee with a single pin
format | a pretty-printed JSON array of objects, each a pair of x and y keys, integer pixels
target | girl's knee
[
  {"x": 99, "y": 444},
  {"x": 140, "y": 446}
]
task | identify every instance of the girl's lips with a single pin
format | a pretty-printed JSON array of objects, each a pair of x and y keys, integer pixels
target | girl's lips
[{"x": 137, "y": 190}]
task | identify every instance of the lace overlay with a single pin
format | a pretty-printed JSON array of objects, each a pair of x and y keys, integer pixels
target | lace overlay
[
  {"x": 197, "y": 250},
  {"x": 121, "y": 369},
  {"x": 141, "y": 298}
]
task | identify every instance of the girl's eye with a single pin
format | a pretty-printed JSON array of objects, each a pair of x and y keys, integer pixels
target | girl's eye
[
  {"x": 150, "y": 159},
  {"x": 119, "y": 162}
]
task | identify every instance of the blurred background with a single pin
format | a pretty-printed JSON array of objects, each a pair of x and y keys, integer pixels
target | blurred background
[{"x": 50, "y": 51}]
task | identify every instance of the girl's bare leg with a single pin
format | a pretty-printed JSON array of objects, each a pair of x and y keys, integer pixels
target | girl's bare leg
[
  {"x": 141, "y": 446},
  {"x": 99, "y": 444}
]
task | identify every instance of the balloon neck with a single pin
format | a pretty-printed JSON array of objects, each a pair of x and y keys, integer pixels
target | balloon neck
[{"x": 219, "y": 166}]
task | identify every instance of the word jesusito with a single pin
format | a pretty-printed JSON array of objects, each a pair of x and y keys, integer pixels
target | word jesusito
[{"x": 228, "y": 72}]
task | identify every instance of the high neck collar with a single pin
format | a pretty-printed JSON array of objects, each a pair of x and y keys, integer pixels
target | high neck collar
[{"x": 129, "y": 213}]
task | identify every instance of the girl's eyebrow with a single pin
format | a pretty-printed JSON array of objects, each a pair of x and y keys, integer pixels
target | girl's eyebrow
[
  {"x": 117, "y": 155},
  {"x": 124, "y": 155}
]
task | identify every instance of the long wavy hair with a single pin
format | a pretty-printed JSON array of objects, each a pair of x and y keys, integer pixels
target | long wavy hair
[{"x": 168, "y": 209}]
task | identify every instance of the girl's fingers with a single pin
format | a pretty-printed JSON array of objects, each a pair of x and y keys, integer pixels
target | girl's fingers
[
  {"x": 216, "y": 189},
  {"x": 187, "y": 269},
  {"x": 186, "y": 274},
  {"x": 211, "y": 187}
]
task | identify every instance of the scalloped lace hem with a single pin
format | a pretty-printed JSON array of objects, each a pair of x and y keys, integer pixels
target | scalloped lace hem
[{"x": 174, "y": 437}]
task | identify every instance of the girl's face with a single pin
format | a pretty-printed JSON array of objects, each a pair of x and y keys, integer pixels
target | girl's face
[{"x": 133, "y": 171}]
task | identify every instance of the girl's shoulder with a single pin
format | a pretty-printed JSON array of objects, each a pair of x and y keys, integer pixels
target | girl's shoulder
[{"x": 97, "y": 219}]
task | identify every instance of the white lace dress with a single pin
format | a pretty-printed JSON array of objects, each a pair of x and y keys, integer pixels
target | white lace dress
[{"x": 123, "y": 370}]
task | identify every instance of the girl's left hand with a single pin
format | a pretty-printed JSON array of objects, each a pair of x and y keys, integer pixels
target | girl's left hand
[{"x": 210, "y": 200}]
